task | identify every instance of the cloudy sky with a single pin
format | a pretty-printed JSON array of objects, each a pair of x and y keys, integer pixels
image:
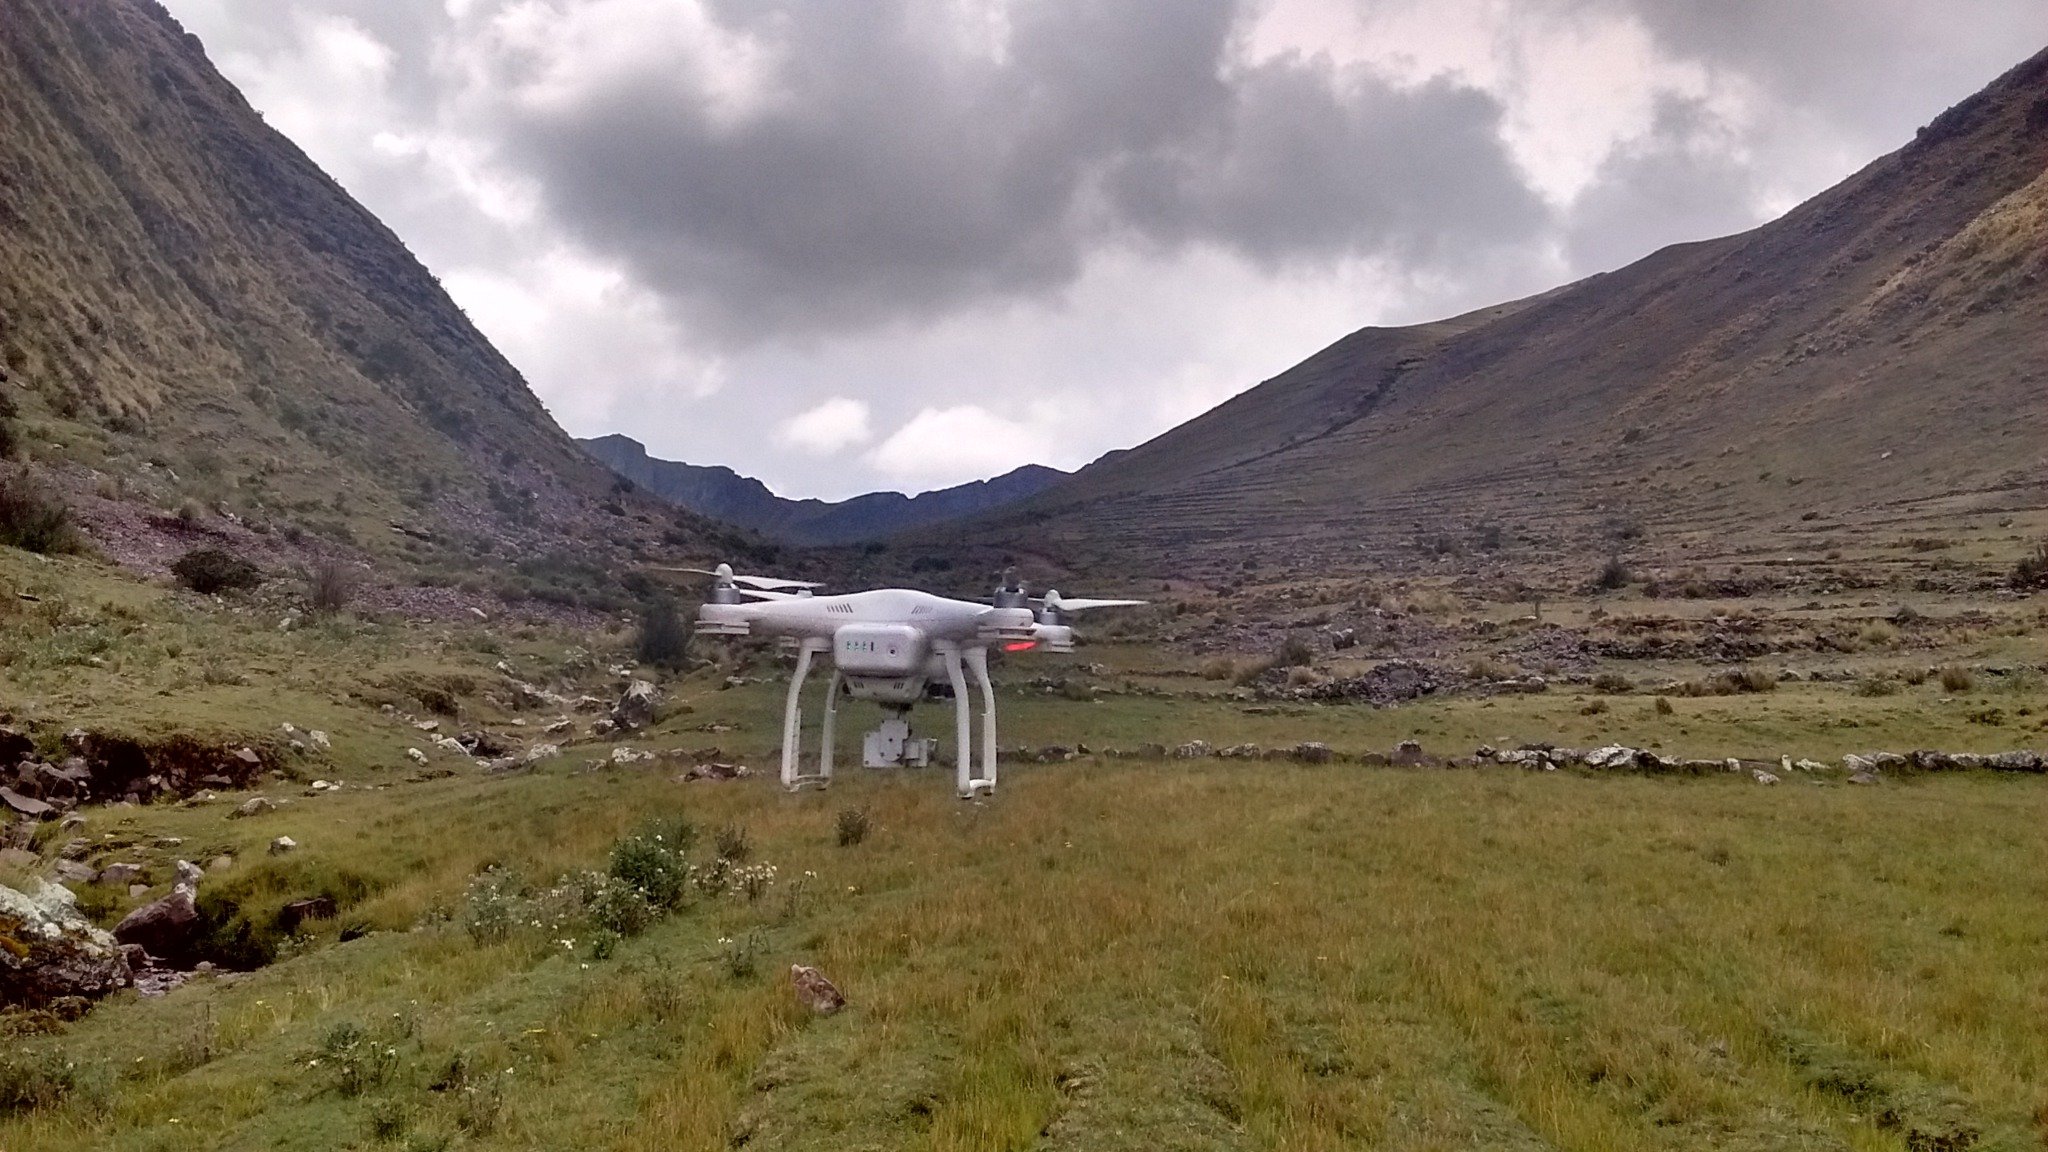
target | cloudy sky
[{"x": 854, "y": 244}]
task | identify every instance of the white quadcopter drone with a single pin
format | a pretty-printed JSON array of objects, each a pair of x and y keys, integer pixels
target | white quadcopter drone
[{"x": 892, "y": 646}]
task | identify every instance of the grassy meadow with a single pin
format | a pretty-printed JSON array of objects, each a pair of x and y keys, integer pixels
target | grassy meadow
[{"x": 1127, "y": 955}]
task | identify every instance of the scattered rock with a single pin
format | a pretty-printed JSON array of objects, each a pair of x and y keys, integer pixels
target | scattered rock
[
  {"x": 559, "y": 726},
  {"x": 815, "y": 992},
  {"x": 636, "y": 706},
  {"x": 1810, "y": 766},
  {"x": 1863, "y": 777},
  {"x": 299, "y": 911},
  {"x": 76, "y": 872},
  {"x": 1763, "y": 777},
  {"x": 282, "y": 845},
  {"x": 1406, "y": 754},
  {"x": 539, "y": 752},
  {"x": 416, "y": 756},
  {"x": 120, "y": 875},
  {"x": 1853, "y": 763},
  {"x": 220, "y": 863},
  {"x": 253, "y": 806},
  {"x": 1312, "y": 752},
  {"x": 320, "y": 740},
  {"x": 168, "y": 927},
  {"x": 2016, "y": 762},
  {"x": 1192, "y": 750},
  {"x": 603, "y": 727},
  {"x": 717, "y": 771},
  {"x": 52, "y": 950},
  {"x": 28, "y": 806}
]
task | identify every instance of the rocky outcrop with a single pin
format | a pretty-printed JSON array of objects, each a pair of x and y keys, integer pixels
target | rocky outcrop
[{"x": 49, "y": 951}]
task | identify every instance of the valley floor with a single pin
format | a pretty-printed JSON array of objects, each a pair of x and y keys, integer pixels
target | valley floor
[{"x": 1136, "y": 956}]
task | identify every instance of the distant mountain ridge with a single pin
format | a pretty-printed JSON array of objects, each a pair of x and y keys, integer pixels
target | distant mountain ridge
[
  {"x": 1879, "y": 354},
  {"x": 189, "y": 303},
  {"x": 724, "y": 494}
]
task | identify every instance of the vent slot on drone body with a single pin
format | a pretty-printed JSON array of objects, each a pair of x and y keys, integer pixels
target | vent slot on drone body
[{"x": 843, "y": 609}]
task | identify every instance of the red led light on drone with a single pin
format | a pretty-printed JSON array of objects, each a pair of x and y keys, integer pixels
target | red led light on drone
[{"x": 1021, "y": 646}]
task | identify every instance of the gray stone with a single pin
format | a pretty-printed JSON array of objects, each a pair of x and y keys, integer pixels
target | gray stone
[
  {"x": 1863, "y": 777},
  {"x": 1312, "y": 752},
  {"x": 1407, "y": 753},
  {"x": 57, "y": 952},
  {"x": 282, "y": 845},
  {"x": 76, "y": 872},
  {"x": 168, "y": 927},
  {"x": 1192, "y": 750},
  {"x": 636, "y": 706},
  {"x": 120, "y": 875},
  {"x": 815, "y": 992},
  {"x": 253, "y": 806},
  {"x": 1853, "y": 763},
  {"x": 2016, "y": 762},
  {"x": 26, "y": 805},
  {"x": 1763, "y": 777}
]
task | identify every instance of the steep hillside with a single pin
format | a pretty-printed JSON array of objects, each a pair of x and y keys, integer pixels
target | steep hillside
[
  {"x": 1879, "y": 354},
  {"x": 726, "y": 495},
  {"x": 191, "y": 311}
]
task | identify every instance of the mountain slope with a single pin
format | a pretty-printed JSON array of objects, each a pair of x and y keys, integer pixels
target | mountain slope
[
  {"x": 1884, "y": 345},
  {"x": 726, "y": 495},
  {"x": 190, "y": 308}
]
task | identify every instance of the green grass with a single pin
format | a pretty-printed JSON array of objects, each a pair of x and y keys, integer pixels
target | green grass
[{"x": 1139, "y": 956}]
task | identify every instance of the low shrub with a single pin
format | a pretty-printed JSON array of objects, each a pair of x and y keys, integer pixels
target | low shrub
[
  {"x": 662, "y": 640},
  {"x": 1294, "y": 652},
  {"x": 33, "y": 520},
  {"x": 211, "y": 570},
  {"x": 1957, "y": 680},
  {"x": 2032, "y": 570},
  {"x": 852, "y": 826},
  {"x": 1664, "y": 707},
  {"x": 1613, "y": 684},
  {"x": 330, "y": 585},
  {"x": 653, "y": 864},
  {"x": 1877, "y": 686},
  {"x": 732, "y": 843},
  {"x": 32, "y": 1081},
  {"x": 1613, "y": 575}
]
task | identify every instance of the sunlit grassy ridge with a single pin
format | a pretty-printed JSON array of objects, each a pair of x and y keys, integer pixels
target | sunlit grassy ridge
[{"x": 1149, "y": 956}]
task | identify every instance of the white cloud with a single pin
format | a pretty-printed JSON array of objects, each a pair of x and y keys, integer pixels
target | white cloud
[
  {"x": 837, "y": 424},
  {"x": 940, "y": 447}
]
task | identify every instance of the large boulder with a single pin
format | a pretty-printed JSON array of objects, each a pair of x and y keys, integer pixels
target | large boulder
[
  {"x": 169, "y": 927},
  {"x": 48, "y": 950},
  {"x": 635, "y": 709}
]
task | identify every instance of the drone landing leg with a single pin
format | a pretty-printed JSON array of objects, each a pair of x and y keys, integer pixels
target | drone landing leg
[
  {"x": 831, "y": 714},
  {"x": 792, "y": 720},
  {"x": 977, "y": 661},
  {"x": 963, "y": 725}
]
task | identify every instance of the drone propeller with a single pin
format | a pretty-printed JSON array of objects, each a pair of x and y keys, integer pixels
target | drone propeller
[
  {"x": 725, "y": 575},
  {"x": 1053, "y": 601}
]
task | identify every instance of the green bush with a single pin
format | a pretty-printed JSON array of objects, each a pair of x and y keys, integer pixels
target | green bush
[
  {"x": 29, "y": 1082},
  {"x": 852, "y": 826},
  {"x": 662, "y": 641},
  {"x": 652, "y": 865},
  {"x": 33, "y": 520},
  {"x": 210, "y": 570},
  {"x": 2032, "y": 570},
  {"x": 1613, "y": 575}
]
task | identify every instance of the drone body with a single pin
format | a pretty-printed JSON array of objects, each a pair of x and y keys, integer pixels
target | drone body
[{"x": 891, "y": 646}]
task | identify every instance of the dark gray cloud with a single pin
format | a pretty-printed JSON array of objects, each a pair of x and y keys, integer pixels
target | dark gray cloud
[{"x": 899, "y": 179}]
